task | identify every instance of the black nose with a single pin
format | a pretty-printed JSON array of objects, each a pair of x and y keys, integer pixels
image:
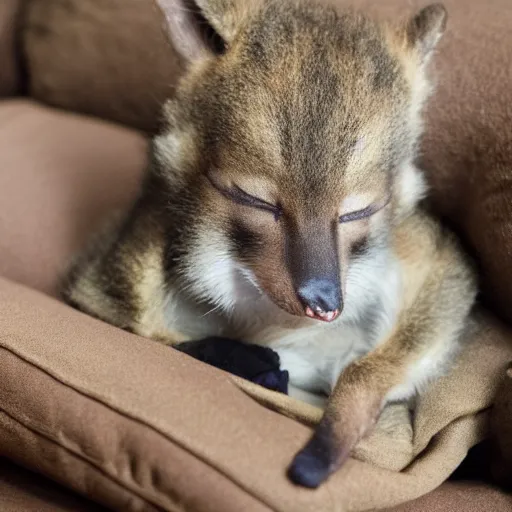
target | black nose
[{"x": 321, "y": 296}]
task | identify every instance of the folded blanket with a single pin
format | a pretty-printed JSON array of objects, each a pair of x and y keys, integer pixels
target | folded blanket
[{"x": 137, "y": 426}]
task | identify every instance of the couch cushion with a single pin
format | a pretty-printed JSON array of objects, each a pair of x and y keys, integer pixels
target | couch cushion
[
  {"x": 9, "y": 55},
  {"x": 61, "y": 173},
  {"x": 460, "y": 497},
  {"x": 138, "y": 426},
  {"x": 468, "y": 145},
  {"x": 24, "y": 491},
  {"x": 128, "y": 83},
  {"x": 134, "y": 424}
]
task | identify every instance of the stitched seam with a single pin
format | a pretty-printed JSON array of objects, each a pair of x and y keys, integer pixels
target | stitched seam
[
  {"x": 140, "y": 421},
  {"x": 84, "y": 459}
]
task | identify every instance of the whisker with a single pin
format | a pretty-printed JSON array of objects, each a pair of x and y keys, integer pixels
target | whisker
[{"x": 216, "y": 308}]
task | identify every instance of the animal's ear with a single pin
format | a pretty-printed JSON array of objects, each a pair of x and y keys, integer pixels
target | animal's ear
[
  {"x": 425, "y": 29},
  {"x": 199, "y": 28}
]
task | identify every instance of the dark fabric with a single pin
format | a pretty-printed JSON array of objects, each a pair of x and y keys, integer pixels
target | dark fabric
[
  {"x": 10, "y": 70},
  {"x": 260, "y": 365},
  {"x": 24, "y": 491}
]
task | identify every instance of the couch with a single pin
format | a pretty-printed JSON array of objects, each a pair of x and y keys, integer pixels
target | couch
[{"x": 92, "y": 416}]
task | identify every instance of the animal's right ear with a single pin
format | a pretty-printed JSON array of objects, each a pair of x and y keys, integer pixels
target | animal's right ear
[
  {"x": 201, "y": 28},
  {"x": 425, "y": 29}
]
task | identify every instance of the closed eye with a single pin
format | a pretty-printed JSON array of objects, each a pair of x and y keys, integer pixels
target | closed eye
[
  {"x": 364, "y": 213},
  {"x": 236, "y": 194},
  {"x": 240, "y": 196},
  {"x": 360, "y": 214}
]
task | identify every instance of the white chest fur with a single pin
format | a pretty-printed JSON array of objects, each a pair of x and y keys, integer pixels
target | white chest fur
[{"x": 315, "y": 353}]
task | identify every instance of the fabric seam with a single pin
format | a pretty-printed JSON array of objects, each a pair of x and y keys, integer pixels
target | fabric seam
[
  {"x": 82, "y": 458},
  {"x": 132, "y": 417}
]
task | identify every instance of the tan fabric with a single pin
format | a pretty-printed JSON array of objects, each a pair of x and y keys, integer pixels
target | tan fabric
[
  {"x": 24, "y": 491},
  {"x": 9, "y": 56},
  {"x": 60, "y": 174},
  {"x": 460, "y": 497},
  {"x": 117, "y": 47},
  {"x": 138, "y": 426},
  {"x": 501, "y": 427}
]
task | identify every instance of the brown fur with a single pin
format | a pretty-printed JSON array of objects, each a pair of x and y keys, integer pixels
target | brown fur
[{"x": 302, "y": 116}]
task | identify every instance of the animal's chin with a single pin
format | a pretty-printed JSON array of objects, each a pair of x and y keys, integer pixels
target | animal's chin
[
  {"x": 323, "y": 316},
  {"x": 308, "y": 314}
]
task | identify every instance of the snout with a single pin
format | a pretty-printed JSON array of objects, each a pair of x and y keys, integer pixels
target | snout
[
  {"x": 313, "y": 262},
  {"x": 321, "y": 298}
]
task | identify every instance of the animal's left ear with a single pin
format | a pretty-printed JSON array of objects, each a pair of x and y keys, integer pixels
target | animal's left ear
[
  {"x": 225, "y": 16},
  {"x": 202, "y": 28},
  {"x": 425, "y": 29}
]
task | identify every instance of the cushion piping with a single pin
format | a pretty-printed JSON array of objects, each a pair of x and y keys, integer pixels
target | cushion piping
[
  {"x": 77, "y": 455},
  {"x": 131, "y": 417}
]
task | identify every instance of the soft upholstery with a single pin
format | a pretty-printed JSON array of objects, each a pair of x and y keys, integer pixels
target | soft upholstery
[
  {"x": 60, "y": 176},
  {"x": 117, "y": 47},
  {"x": 24, "y": 491},
  {"x": 459, "y": 497},
  {"x": 10, "y": 71},
  {"x": 468, "y": 146},
  {"x": 137, "y": 426}
]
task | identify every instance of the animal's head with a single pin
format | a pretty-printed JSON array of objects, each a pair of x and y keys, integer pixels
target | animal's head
[{"x": 296, "y": 127}]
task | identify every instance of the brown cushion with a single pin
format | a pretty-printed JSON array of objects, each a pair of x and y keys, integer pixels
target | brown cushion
[
  {"x": 9, "y": 55},
  {"x": 501, "y": 425},
  {"x": 468, "y": 145},
  {"x": 117, "y": 47},
  {"x": 460, "y": 497},
  {"x": 137, "y": 426},
  {"x": 25, "y": 491},
  {"x": 130, "y": 423},
  {"x": 61, "y": 174}
]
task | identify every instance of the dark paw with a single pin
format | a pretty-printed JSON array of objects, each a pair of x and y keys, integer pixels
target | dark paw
[
  {"x": 316, "y": 461},
  {"x": 275, "y": 380},
  {"x": 308, "y": 470},
  {"x": 322, "y": 456},
  {"x": 252, "y": 362}
]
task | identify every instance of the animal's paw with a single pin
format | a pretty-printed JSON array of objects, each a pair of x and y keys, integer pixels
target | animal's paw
[
  {"x": 225, "y": 352},
  {"x": 252, "y": 362},
  {"x": 309, "y": 468},
  {"x": 321, "y": 457}
]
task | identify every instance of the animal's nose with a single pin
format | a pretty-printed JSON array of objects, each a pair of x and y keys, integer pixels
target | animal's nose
[{"x": 322, "y": 298}]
